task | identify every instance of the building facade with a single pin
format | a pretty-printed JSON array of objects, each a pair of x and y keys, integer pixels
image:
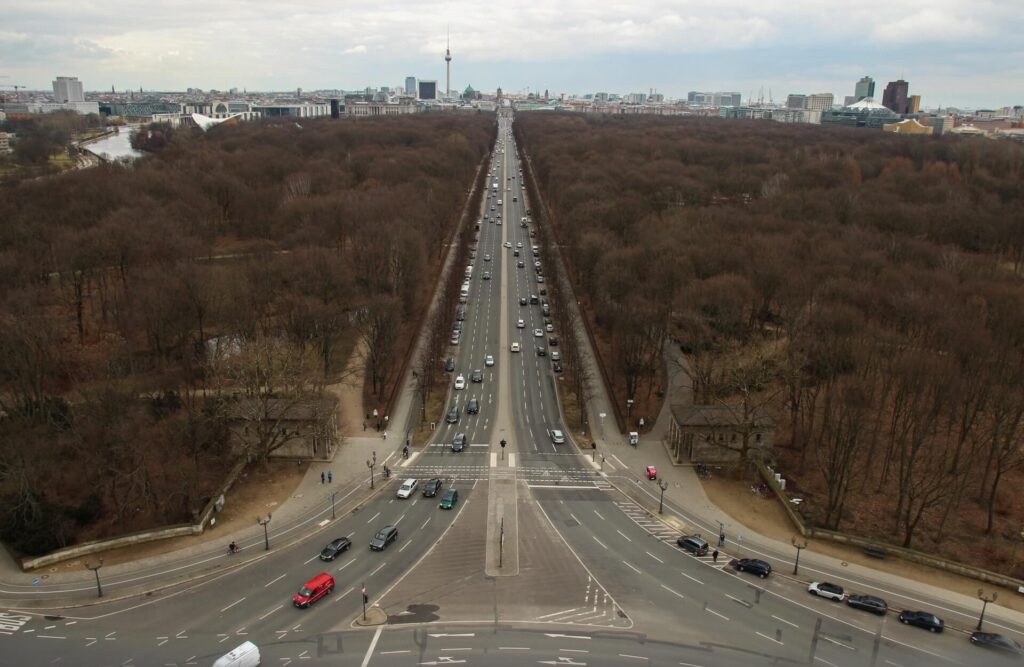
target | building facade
[
  {"x": 796, "y": 101},
  {"x": 819, "y": 102},
  {"x": 896, "y": 96},
  {"x": 719, "y": 434},
  {"x": 426, "y": 90},
  {"x": 865, "y": 88},
  {"x": 410, "y": 85},
  {"x": 68, "y": 89}
]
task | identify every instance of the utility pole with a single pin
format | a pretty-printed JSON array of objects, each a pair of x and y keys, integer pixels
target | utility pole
[
  {"x": 984, "y": 603},
  {"x": 333, "y": 494},
  {"x": 661, "y": 504}
]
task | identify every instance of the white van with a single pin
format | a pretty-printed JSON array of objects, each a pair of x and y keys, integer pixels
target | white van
[
  {"x": 464, "y": 293},
  {"x": 245, "y": 655}
]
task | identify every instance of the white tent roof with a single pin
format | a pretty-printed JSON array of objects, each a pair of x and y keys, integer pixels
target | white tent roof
[{"x": 867, "y": 104}]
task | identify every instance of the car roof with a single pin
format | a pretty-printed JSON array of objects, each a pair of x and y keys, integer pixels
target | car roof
[
  {"x": 318, "y": 579},
  {"x": 409, "y": 482}
]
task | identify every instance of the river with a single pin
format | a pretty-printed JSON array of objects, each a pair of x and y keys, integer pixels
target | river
[{"x": 115, "y": 146}]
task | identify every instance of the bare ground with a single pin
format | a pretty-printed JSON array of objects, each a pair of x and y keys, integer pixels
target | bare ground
[{"x": 766, "y": 517}]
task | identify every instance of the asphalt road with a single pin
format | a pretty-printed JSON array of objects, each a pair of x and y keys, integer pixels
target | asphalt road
[{"x": 596, "y": 579}]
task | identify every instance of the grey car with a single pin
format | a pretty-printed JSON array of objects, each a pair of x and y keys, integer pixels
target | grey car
[
  {"x": 453, "y": 415},
  {"x": 383, "y": 538}
]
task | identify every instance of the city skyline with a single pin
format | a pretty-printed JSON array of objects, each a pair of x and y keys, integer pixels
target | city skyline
[{"x": 953, "y": 55}]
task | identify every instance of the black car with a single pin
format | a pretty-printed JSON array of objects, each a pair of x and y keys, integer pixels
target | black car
[
  {"x": 453, "y": 415},
  {"x": 477, "y": 376},
  {"x": 868, "y": 603},
  {"x": 334, "y": 548},
  {"x": 695, "y": 544},
  {"x": 542, "y": 351},
  {"x": 460, "y": 314},
  {"x": 534, "y": 299},
  {"x": 522, "y": 301},
  {"x": 922, "y": 619},
  {"x": 473, "y": 407},
  {"x": 543, "y": 291},
  {"x": 383, "y": 538},
  {"x": 553, "y": 341},
  {"x": 459, "y": 442},
  {"x": 431, "y": 488},
  {"x": 754, "y": 566},
  {"x": 997, "y": 642},
  {"x": 449, "y": 365},
  {"x": 556, "y": 366}
]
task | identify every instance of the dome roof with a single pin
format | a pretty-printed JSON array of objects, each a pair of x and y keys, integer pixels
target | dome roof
[{"x": 867, "y": 104}]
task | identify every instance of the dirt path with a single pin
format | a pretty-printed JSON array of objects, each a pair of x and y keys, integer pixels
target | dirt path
[
  {"x": 766, "y": 517},
  {"x": 350, "y": 394}
]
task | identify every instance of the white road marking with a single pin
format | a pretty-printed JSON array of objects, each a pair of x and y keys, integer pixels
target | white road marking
[
  {"x": 825, "y": 661},
  {"x": 673, "y": 592},
  {"x": 373, "y": 645},
  {"x": 275, "y": 580},
  {"x": 231, "y": 605},
  {"x": 712, "y": 611},
  {"x": 785, "y": 621},
  {"x": 602, "y": 544},
  {"x": 837, "y": 643},
  {"x": 654, "y": 557},
  {"x": 624, "y": 535},
  {"x": 630, "y": 567},
  {"x": 407, "y": 543},
  {"x": 426, "y": 522},
  {"x": 346, "y": 565},
  {"x": 513, "y": 648},
  {"x": 692, "y": 578},
  {"x": 771, "y": 639},
  {"x": 311, "y": 559},
  {"x": 379, "y": 567},
  {"x": 557, "y": 613},
  {"x": 634, "y": 657},
  {"x": 370, "y": 520},
  {"x": 271, "y": 611},
  {"x": 599, "y": 515}
]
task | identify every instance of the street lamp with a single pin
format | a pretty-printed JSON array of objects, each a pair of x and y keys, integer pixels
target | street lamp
[
  {"x": 661, "y": 504},
  {"x": 984, "y": 603},
  {"x": 266, "y": 534},
  {"x": 333, "y": 494},
  {"x": 96, "y": 571},
  {"x": 800, "y": 546},
  {"x": 629, "y": 408},
  {"x": 370, "y": 464}
]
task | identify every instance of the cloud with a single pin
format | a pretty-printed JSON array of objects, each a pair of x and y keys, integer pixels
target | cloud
[{"x": 357, "y": 49}]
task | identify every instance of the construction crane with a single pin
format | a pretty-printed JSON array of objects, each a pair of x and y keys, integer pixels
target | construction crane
[{"x": 17, "y": 87}]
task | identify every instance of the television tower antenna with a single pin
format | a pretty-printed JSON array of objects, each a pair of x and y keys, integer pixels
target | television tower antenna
[{"x": 448, "y": 64}]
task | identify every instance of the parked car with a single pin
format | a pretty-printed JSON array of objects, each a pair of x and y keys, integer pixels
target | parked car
[
  {"x": 922, "y": 619},
  {"x": 695, "y": 544},
  {"x": 557, "y": 437},
  {"x": 556, "y": 355},
  {"x": 997, "y": 642},
  {"x": 453, "y": 415},
  {"x": 556, "y": 366},
  {"x": 754, "y": 566},
  {"x": 335, "y": 547},
  {"x": 553, "y": 341},
  {"x": 827, "y": 590},
  {"x": 549, "y": 327},
  {"x": 448, "y": 500},
  {"x": 473, "y": 407},
  {"x": 316, "y": 588},
  {"x": 459, "y": 442},
  {"x": 542, "y": 351},
  {"x": 868, "y": 603},
  {"x": 449, "y": 364},
  {"x": 432, "y": 487},
  {"x": 383, "y": 538}
]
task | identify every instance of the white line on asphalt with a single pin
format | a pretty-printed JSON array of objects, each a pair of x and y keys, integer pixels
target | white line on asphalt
[
  {"x": 275, "y": 580},
  {"x": 624, "y": 535},
  {"x": 558, "y": 635},
  {"x": 393, "y": 652},
  {"x": 407, "y": 543},
  {"x": 825, "y": 661},
  {"x": 673, "y": 592},
  {"x": 689, "y": 664},
  {"x": 630, "y": 567},
  {"x": 692, "y": 578},
  {"x": 574, "y": 650},
  {"x": 771, "y": 639},
  {"x": 785, "y": 621},
  {"x": 339, "y": 598},
  {"x": 494, "y": 459},
  {"x": 575, "y": 519},
  {"x": 600, "y": 542},
  {"x": 399, "y": 520},
  {"x": 833, "y": 641},
  {"x": 271, "y": 611},
  {"x": 373, "y": 645},
  {"x": 735, "y": 599},
  {"x": 370, "y": 520},
  {"x": 511, "y": 460},
  {"x": 346, "y": 565},
  {"x": 231, "y": 605},
  {"x": 426, "y": 522},
  {"x": 654, "y": 557},
  {"x": 466, "y": 648},
  {"x": 599, "y": 515},
  {"x": 513, "y": 648},
  {"x": 311, "y": 559},
  {"x": 557, "y": 613},
  {"x": 894, "y": 664},
  {"x": 712, "y": 611},
  {"x": 620, "y": 461},
  {"x": 635, "y": 657}
]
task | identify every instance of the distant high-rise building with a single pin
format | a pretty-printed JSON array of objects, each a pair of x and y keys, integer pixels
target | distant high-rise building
[
  {"x": 600, "y": 97},
  {"x": 895, "y": 96},
  {"x": 865, "y": 88},
  {"x": 426, "y": 90},
  {"x": 914, "y": 104},
  {"x": 68, "y": 89},
  {"x": 819, "y": 102},
  {"x": 796, "y": 101},
  {"x": 410, "y": 85}
]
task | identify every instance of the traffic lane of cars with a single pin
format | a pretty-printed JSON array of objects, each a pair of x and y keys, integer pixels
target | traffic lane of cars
[{"x": 613, "y": 544}]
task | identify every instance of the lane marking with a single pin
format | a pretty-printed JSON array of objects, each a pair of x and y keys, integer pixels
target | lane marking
[
  {"x": 692, "y": 578},
  {"x": 771, "y": 639},
  {"x": 782, "y": 620},
  {"x": 712, "y": 611},
  {"x": 346, "y": 564},
  {"x": 603, "y": 545},
  {"x": 370, "y": 520},
  {"x": 832, "y": 664},
  {"x": 681, "y": 596},
  {"x": 231, "y": 605},
  {"x": 271, "y": 611},
  {"x": 556, "y": 614},
  {"x": 620, "y": 533},
  {"x": 630, "y": 566},
  {"x": 275, "y": 580},
  {"x": 373, "y": 645},
  {"x": 654, "y": 557}
]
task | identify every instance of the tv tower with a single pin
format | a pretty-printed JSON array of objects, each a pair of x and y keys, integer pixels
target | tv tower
[{"x": 448, "y": 66}]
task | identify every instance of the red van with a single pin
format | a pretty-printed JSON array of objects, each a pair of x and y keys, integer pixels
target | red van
[{"x": 317, "y": 587}]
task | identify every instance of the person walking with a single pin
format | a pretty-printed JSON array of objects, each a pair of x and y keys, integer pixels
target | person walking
[
  {"x": 714, "y": 556},
  {"x": 321, "y": 477},
  {"x": 330, "y": 477},
  {"x": 364, "y": 424},
  {"x": 385, "y": 436}
]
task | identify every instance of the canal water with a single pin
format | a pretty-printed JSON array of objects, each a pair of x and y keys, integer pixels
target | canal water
[{"x": 116, "y": 145}]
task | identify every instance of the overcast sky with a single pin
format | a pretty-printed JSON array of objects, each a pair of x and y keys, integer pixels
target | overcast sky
[{"x": 953, "y": 52}]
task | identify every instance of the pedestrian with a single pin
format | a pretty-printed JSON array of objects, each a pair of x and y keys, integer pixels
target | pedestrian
[
  {"x": 739, "y": 539},
  {"x": 385, "y": 437},
  {"x": 714, "y": 556},
  {"x": 385, "y": 421},
  {"x": 330, "y": 477},
  {"x": 641, "y": 422},
  {"x": 375, "y": 413},
  {"x": 721, "y": 539},
  {"x": 364, "y": 424},
  {"x": 321, "y": 477}
]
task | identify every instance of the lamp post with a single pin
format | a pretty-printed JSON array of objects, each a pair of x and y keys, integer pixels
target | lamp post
[
  {"x": 333, "y": 494},
  {"x": 984, "y": 603},
  {"x": 661, "y": 504},
  {"x": 629, "y": 409},
  {"x": 266, "y": 533},
  {"x": 96, "y": 571},
  {"x": 800, "y": 546},
  {"x": 370, "y": 464}
]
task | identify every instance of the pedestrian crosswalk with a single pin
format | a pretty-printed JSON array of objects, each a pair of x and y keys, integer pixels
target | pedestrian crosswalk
[
  {"x": 666, "y": 533},
  {"x": 532, "y": 476}
]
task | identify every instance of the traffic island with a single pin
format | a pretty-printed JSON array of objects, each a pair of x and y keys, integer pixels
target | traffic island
[{"x": 374, "y": 616}]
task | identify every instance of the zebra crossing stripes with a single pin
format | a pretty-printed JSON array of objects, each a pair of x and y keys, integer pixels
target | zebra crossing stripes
[
  {"x": 596, "y": 609},
  {"x": 663, "y": 532}
]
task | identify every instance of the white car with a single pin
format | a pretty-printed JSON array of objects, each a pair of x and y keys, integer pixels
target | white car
[
  {"x": 514, "y": 347},
  {"x": 407, "y": 488},
  {"x": 487, "y": 258},
  {"x": 520, "y": 324},
  {"x": 508, "y": 244},
  {"x": 460, "y": 382},
  {"x": 488, "y": 360},
  {"x": 549, "y": 327},
  {"x": 826, "y": 590},
  {"x": 519, "y": 245},
  {"x": 557, "y": 437},
  {"x": 538, "y": 333}
]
